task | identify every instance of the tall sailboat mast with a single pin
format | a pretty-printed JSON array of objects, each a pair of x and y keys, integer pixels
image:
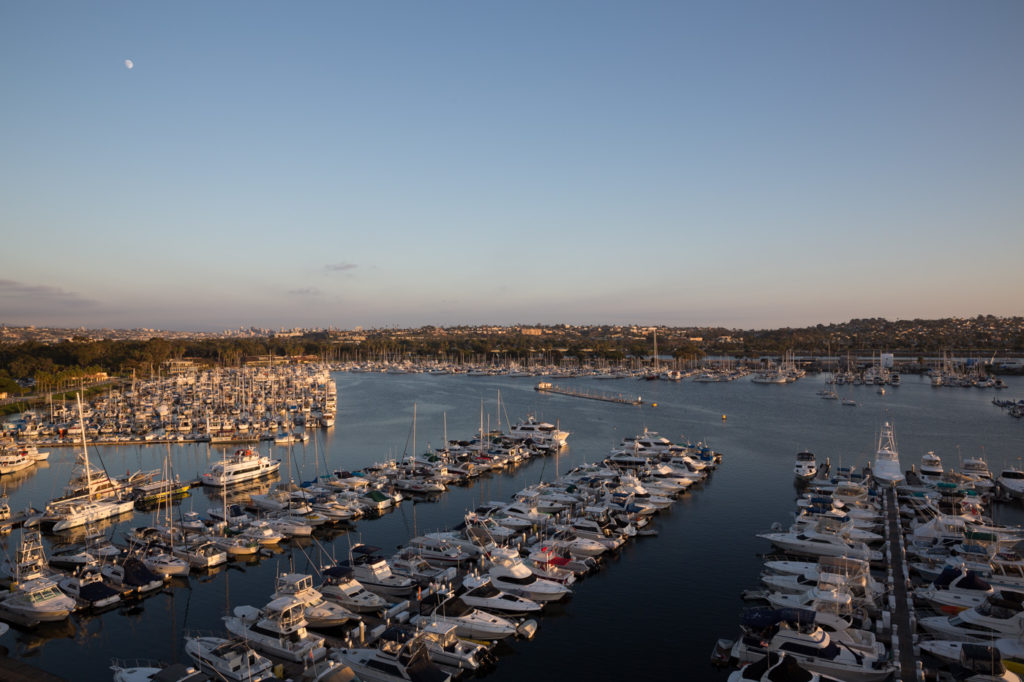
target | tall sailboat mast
[{"x": 85, "y": 449}]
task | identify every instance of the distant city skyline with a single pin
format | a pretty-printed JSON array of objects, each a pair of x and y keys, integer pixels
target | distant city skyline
[{"x": 747, "y": 165}]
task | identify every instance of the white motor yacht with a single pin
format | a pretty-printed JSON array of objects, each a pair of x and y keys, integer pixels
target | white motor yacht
[
  {"x": 1008, "y": 650},
  {"x": 373, "y": 572},
  {"x": 811, "y": 542},
  {"x": 977, "y": 663},
  {"x": 510, "y": 574},
  {"x": 319, "y": 612},
  {"x": 228, "y": 659},
  {"x": 1011, "y": 482},
  {"x": 74, "y": 514},
  {"x": 482, "y": 594},
  {"x": 409, "y": 563},
  {"x": 955, "y": 590},
  {"x": 886, "y": 467},
  {"x": 164, "y": 563},
  {"x": 977, "y": 469},
  {"x": 243, "y": 465},
  {"x": 439, "y": 551},
  {"x": 392, "y": 662},
  {"x": 450, "y": 653},
  {"x": 36, "y": 601},
  {"x": 14, "y": 460},
  {"x": 573, "y": 544},
  {"x": 850, "y": 655},
  {"x": 290, "y": 526},
  {"x": 834, "y": 521},
  {"x": 540, "y": 433},
  {"x": 930, "y": 472},
  {"x": 341, "y": 587},
  {"x": 1000, "y": 615},
  {"x": 278, "y": 630},
  {"x": 806, "y": 466},
  {"x": 263, "y": 534},
  {"x": 202, "y": 555},
  {"x": 234, "y": 545},
  {"x": 469, "y": 622}
]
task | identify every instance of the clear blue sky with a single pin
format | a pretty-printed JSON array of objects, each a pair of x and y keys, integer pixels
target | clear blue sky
[{"x": 751, "y": 164}]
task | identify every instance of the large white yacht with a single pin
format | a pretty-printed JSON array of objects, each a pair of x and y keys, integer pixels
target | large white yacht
[
  {"x": 540, "y": 433},
  {"x": 244, "y": 465},
  {"x": 14, "y": 460},
  {"x": 818, "y": 542},
  {"x": 886, "y": 467},
  {"x": 806, "y": 466}
]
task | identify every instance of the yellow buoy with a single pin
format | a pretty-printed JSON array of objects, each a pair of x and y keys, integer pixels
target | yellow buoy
[
  {"x": 654, "y": 404},
  {"x": 723, "y": 417}
]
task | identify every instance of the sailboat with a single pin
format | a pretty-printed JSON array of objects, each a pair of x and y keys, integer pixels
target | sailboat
[{"x": 75, "y": 513}]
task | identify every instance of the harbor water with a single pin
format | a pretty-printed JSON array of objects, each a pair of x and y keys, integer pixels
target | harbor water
[{"x": 654, "y": 610}]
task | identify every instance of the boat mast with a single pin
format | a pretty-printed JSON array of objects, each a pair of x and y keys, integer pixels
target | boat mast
[{"x": 85, "y": 449}]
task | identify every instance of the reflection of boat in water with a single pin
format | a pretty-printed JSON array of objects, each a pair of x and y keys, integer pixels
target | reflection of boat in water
[
  {"x": 141, "y": 670},
  {"x": 241, "y": 491},
  {"x": 30, "y": 640}
]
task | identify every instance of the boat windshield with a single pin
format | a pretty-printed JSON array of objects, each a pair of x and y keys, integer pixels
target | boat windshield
[{"x": 485, "y": 591}]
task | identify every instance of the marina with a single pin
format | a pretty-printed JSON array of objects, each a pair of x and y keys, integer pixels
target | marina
[{"x": 696, "y": 519}]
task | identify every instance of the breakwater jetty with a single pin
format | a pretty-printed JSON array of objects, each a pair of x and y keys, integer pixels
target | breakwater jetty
[{"x": 546, "y": 387}]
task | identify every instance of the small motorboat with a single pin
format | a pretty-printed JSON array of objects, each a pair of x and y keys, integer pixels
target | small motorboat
[{"x": 88, "y": 589}]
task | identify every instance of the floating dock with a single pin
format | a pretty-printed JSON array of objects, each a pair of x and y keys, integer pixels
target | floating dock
[
  {"x": 900, "y": 599},
  {"x": 545, "y": 387}
]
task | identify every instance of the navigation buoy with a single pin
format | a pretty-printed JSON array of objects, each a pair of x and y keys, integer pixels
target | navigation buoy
[
  {"x": 654, "y": 404},
  {"x": 723, "y": 417}
]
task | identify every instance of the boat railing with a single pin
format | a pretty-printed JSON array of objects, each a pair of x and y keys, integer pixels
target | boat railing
[{"x": 126, "y": 663}]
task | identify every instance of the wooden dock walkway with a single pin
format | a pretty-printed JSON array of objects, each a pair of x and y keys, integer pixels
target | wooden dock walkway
[{"x": 900, "y": 600}]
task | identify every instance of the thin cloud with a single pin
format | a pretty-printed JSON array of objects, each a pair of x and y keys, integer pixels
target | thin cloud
[
  {"x": 340, "y": 267},
  {"x": 40, "y": 294},
  {"x": 305, "y": 291}
]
